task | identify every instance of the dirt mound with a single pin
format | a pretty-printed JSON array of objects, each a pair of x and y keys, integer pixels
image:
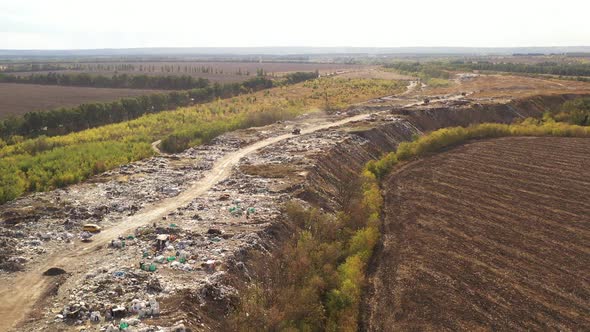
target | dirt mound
[
  {"x": 492, "y": 235},
  {"x": 54, "y": 271}
]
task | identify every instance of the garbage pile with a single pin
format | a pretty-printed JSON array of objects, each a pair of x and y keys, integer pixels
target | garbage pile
[
  {"x": 120, "y": 316},
  {"x": 191, "y": 248},
  {"x": 44, "y": 222},
  {"x": 145, "y": 265}
]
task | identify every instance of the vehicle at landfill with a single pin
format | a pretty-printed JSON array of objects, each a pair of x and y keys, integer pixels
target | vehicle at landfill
[{"x": 92, "y": 228}]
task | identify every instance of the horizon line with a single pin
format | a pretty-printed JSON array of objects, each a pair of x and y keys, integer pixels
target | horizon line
[{"x": 286, "y": 47}]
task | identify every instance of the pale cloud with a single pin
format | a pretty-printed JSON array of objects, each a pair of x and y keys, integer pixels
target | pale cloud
[{"x": 149, "y": 23}]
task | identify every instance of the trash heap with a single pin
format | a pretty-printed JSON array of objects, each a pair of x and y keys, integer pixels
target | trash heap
[
  {"x": 121, "y": 316},
  {"x": 42, "y": 223},
  {"x": 119, "y": 290},
  {"x": 191, "y": 249}
]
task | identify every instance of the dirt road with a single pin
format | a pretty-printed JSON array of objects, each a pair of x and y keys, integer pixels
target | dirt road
[
  {"x": 155, "y": 146},
  {"x": 19, "y": 296}
]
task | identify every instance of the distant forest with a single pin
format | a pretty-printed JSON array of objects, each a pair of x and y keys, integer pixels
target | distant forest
[
  {"x": 168, "y": 82},
  {"x": 434, "y": 69},
  {"x": 551, "y": 68}
]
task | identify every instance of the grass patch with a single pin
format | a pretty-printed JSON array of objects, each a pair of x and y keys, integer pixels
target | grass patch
[{"x": 438, "y": 82}]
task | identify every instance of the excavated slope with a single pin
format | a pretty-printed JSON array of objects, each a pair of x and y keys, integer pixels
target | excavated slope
[{"x": 340, "y": 165}]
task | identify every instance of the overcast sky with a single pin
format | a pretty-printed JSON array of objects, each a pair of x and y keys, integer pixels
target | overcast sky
[{"x": 80, "y": 24}]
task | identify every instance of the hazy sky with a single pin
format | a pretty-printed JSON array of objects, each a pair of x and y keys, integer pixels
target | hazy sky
[{"x": 66, "y": 24}]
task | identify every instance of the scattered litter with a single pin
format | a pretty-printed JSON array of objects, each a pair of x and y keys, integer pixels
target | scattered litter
[{"x": 197, "y": 242}]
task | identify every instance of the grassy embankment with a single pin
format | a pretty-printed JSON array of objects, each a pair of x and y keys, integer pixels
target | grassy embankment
[
  {"x": 447, "y": 137},
  {"x": 44, "y": 163}
]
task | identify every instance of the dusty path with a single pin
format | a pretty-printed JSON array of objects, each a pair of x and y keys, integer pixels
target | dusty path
[
  {"x": 155, "y": 146},
  {"x": 19, "y": 295}
]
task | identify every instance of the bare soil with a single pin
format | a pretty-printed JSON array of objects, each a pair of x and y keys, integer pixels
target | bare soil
[
  {"x": 492, "y": 235},
  {"x": 512, "y": 86},
  {"x": 269, "y": 170},
  {"x": 16, "y": 99}
]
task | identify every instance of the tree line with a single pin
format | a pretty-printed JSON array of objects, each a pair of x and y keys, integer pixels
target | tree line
[
  {"x": 300, "y": 76},
  {"x": 123, "y": 67},
  {"x": 66, "y": 120},
  {"x": 551, "y": 68},
  {"x": 28, "y": 67},
  {"x": 424, "y": 70},
  {"x": 439, "y": 69},
  {"x": 169, "y": 82}
]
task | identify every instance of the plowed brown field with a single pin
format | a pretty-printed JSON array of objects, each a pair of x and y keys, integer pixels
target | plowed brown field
[
  {"x": 493, "y": 235},
  {"x": 17, "y": 99}
]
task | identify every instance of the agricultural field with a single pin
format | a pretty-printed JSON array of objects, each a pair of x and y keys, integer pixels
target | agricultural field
[
  {"x": 489, "y": 235},
  {"x": 222, "y": 72},
  {"x": 17, "y": 99},
  {"x": 379, "y": 73}
]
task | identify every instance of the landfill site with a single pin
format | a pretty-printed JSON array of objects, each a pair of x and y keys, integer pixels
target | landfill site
[{"x": 153, "y": 245}]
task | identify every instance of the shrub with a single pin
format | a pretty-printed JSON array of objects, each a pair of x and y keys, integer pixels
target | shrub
[
  {"x": 363, "y": 242},
  {"x": 175, "y": 143},
  {"x": 575, "y": 111},
  {"x": 405, "y": 151},
  {"x": 12, "y": 183},
  {"x": 322, "y": 270}
]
